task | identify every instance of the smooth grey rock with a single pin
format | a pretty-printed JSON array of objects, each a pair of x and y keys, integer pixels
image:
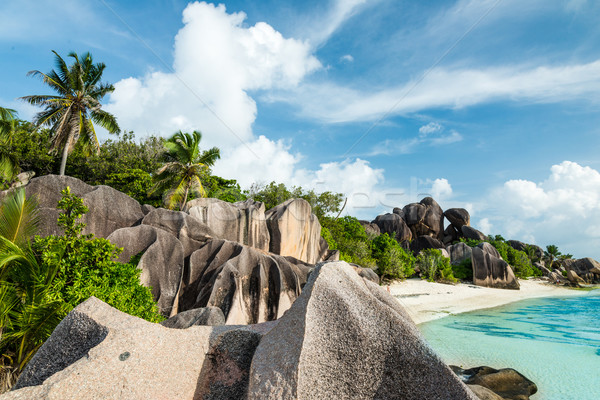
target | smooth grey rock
[
  {"x": 450, "y": 235},
  {"x": 109, "y": 209},
  {"x": 146, "y": 208},
  {"x": 243, "y": 222},
  {"x": 458, "y": 217},
  {"x": 294, "y": 230},
  {"x": 371, "y": 229},
  {"x": 542, "y": 267},
  {"x": 433, "y": 220},
  {"x": 425, "y": 242},
  {"x": 198, "y": 316},
  {"x": 99, "y": 353},
  {"x": 394, "y": 226},
  {"x": 506, "y": 383},
  {"x": 484, "y": 393},
  {"x": 459, "y": 252},
  {"x": 414, "y": 213},
  {"x": 398, "y": 211},
  {"x": 190, "y": 231},
  {"x": 328, "y": 346},
  {"x": 248, "y": 285},
  {"x": 161, "y": 262},
  {"x": 472, "y": 233},
  {"x": 489, "y": 249},
  {"x": 490, "y": 271}
]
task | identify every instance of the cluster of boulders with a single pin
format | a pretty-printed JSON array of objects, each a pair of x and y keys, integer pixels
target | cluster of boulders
[
  {"x": 248, "y": 262},
  {"x": 250, "y": 314},
  {"x": 420, "y": 226},
  {"x": 344, "y": 337}
]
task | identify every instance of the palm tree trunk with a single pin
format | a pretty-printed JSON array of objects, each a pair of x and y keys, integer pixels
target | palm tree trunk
[
  {"x": 187, "y": 189},
  {"x": 63, "y": 161}
]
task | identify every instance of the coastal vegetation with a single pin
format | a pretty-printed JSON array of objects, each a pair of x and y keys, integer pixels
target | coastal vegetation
[
  {"x": 184, "y": 166},
  {"x": 73, "y": 110},
  {"x": 43, "y": 279}
]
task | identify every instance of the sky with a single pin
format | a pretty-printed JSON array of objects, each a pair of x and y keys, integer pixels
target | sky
[{"x": 489, "y": 105}]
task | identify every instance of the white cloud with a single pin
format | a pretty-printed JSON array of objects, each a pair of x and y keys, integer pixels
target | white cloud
[
  {"x": 441, "y": 189},
  {"x": 332, "y": 20},
  {"x": 448, "y": 88},
  {"x": 431, "y": 134},
  {"x": 429, "y": 128},
  {"x": 217, "y": 60},
  {"x": 564, "y": 209},
  {"x": 347, "y": 58}
]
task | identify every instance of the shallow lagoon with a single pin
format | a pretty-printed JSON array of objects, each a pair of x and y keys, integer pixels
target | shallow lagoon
[{"x": 555, "y": 342}]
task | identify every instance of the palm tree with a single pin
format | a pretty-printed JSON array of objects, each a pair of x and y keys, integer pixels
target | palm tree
[
  {"x": 185, "y": 164},
  {"x": 70, "y": 113},
  {"x": 28, "y": 311},
  {"x": 551, "y": 254},
  {"x": 7, "y": 125}
]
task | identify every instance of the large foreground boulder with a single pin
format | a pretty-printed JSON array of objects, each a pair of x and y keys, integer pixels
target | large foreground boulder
[
  {"x": 491, "y": 271},
  {"x": 329, "y": 346},
  {"x": 161, "y": 262},
  {"x": 242, "y": 222},
  {"x": 295, "y": 231},
  {"x": 472, "y": 233},
  {"x": 248, "y": 285},
  {"x": 99, "y": 353}
]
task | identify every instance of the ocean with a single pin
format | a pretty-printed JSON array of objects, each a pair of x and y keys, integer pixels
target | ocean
[{"x": 553, "y": 341}]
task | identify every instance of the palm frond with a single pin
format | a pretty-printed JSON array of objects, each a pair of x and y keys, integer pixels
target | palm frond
[
  {"x": 105, "y": 120},
  {"x": 209, "y": 157},
  {"x": 19, "y": 217}
]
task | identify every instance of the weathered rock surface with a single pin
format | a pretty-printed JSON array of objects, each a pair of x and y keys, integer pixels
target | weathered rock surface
[
  {"x": 458, "y": 217},
  {"x": 587, "y": 269},
  {"x": 198, "y": 316},
  {"x": 459, "y": 252},
  {"x": 507, "y": 383},
  {"x": 491, "y": 271},
  {"x": 425, "y": 242},
  {"x": 394, "y": 226},
  {"x": 425, "y": 218},
  {"x": 99, "y": 353},
  {"x": 294, "y": 230},
  {"x": 371, "y": 229},
  {"x": 192, "y": 233},
  {"x": 450, "y": 235},
  {"x": 161, "y": 262},
  {"x": 248, "y": 285},
  {"x": 489, "y": 249},
  {"x": 472, "y": 233},
  {"x": 243, "y": 222},
  {"x": 328, "y": 346},
  {"x": 109, "y": 209}
]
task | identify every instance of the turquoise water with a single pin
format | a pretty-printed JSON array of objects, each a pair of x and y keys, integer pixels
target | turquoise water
[{"x": 555, "y": 342}]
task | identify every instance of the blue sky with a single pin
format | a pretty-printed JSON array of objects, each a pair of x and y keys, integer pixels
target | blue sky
[{"x": 488, "y": 105}]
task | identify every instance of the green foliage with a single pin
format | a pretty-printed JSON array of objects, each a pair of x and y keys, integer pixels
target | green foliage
[
  {"x": 464, "y": 270},
  {"x": 434, "y": 266},
  {"x": 185, "y": 165},
  {"x": 393, "y": 262},
  {"x": 470, "y": 242},
  {"x": 348, "y": 236},
  {"x": 72, "y": 111},
  {"x": 72, "y": 209},
  {"x": 41, "y": 283},
  {"x": 551, "y": 254},
  {"x": 323, "y": 204},
  {"x": 223, "y": 189}
]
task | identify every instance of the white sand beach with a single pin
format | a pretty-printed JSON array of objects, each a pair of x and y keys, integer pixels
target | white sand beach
[{"x": 427, "y": 301}]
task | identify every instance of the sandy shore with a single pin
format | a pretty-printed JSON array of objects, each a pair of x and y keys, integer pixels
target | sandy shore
[{"x": 426, "y": 301}]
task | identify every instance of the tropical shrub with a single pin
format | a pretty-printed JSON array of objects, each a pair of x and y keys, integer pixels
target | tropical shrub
[
  {"x": 434, "y": 266},
  {"x": 464, "y": 270},
  {"x": 41, "y": 282},
  {"x": 393, "y": 262},
  {"x": 348, "y": 236}
]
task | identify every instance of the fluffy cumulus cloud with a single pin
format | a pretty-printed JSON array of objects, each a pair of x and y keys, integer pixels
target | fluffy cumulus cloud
[
  {"x": 217, "y": 61},
  {"x": 564, "y": 209}
]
